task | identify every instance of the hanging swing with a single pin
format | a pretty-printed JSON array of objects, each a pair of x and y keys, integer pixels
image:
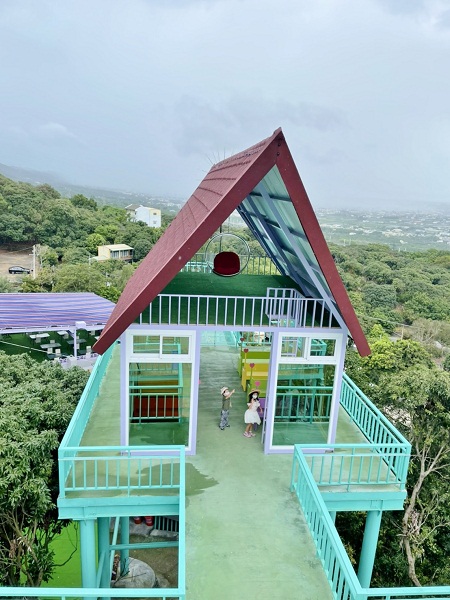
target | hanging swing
[{"x": 227, "y": 254}]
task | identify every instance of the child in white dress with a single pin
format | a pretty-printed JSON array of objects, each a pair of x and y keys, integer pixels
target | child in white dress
[{"x": 251, "y": 414}]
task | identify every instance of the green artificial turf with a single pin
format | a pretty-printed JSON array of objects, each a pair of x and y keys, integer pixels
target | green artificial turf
[
  {"x": 209, "y": 284},
  {"x": 66, "y": 548}
]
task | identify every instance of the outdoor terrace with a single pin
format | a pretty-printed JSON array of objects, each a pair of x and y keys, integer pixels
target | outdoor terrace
[
  {"x": 237, "y": 499},
  {"x": 240, "y": 502}
]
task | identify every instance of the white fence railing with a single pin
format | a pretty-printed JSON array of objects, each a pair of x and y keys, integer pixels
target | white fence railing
[{"x": 238, "y": 311}]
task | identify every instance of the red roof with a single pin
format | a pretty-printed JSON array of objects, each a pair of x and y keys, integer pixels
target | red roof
[{"x": 223, "y": 189}]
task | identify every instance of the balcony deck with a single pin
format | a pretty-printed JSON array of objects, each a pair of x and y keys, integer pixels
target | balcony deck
[
  {"x": 245, "y": 532},
  {"x": 199, "y": 299}
]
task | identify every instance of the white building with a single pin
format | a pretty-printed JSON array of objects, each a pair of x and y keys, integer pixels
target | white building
[
  {"x": 149, "y": 216},
  {"x": 115, "y": 252}
]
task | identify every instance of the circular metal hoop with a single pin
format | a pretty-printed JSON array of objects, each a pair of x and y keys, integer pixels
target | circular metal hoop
[{"x": 227, "y": 244}]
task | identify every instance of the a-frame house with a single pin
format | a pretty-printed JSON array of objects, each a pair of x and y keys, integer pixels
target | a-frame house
[
  {"x": 304, "y": 312},
  {"x": 255, "y": 516}
]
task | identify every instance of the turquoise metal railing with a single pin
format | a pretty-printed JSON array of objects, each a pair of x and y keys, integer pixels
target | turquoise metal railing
[
  {"x": 256, "y": 265},
  {"x": 371, "y": 422},
  {"x": 155, "y": 402},
  {"x": 120, "y": 468},
  {"x": 304, "y": 403},
  {"x": 359, "y": 464},
  {"x": 159, "y": 400},
  {"x": 77, "y": 425},
  {"x": 378, "y": 430},
  {"x": 331, "y": 552},
  {"x": 139, "y": 370},
  {"x": 338, "y": 569},
  {"x": 93, "y": 593}
]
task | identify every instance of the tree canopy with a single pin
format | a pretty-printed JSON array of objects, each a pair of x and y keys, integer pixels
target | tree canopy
[{"x": 37, "y": 401}]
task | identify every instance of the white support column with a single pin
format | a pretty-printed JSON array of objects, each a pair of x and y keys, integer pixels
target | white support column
[
  {"x": 336, "y": 399},
  {"x": 124, "y": 387},
  {"x": 271, "y": 391}
]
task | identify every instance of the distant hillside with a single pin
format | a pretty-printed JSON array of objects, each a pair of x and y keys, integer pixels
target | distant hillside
[
  {"x": 168, "y": 204},
  {"x": 30, "y": 176}
]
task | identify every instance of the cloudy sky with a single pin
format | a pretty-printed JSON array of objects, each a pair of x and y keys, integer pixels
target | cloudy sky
[{"x": 144, "y": 95}]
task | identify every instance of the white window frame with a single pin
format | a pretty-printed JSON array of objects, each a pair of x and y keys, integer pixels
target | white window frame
[
  {"x": 307, "y": 357},
  {"x": 159, "y": 357}
]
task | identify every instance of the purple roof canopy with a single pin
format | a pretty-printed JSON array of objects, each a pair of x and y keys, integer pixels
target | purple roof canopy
[{"x": 39, "y": 312}]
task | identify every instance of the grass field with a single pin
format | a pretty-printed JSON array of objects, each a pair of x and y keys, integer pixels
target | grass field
[{"x": 67, "y": 555}]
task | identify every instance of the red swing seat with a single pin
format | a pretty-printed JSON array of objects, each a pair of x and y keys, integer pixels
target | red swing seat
[{"x": 226, "y": 264}]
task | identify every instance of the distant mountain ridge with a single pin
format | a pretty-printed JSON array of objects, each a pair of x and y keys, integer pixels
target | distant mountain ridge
[{"x": 168, "y": 204}]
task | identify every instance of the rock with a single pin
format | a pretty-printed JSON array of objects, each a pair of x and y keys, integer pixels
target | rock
[
  {"x": 139, "y": 575},
  {"x": 164, "y": 534}
]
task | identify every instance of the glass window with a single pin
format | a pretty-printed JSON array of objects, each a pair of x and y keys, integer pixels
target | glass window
[
  {"x": 292, "y": 347},
  {"x": 175, "y": 345},
  {"x": 160, "y": 396},
  {"x": 148, "y": 344},
  {"x": 302, "y": 404},
  {"x": 161, "y": 345},
  {"x": 323, "y": 347}
]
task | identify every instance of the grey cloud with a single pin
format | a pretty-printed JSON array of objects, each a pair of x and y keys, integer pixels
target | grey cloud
[
  {"x": 54, "y": 131},
  {"x": 202, "y": 125},
  {"x": 399, "y": 7},
  {"x": 443, "y": 20}
]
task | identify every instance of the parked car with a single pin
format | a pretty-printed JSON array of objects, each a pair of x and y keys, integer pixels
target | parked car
[{"x": 17, "y": 270}]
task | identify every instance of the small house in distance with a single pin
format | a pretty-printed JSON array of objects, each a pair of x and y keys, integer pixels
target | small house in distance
[
  {"x": 115, "y": 252},
  {"x": 150, "y": 216}
]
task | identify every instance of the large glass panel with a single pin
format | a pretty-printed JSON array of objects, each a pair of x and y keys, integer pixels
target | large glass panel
[
  {"x": 159, "y": 395},
  {"x": 303, "y": 401},
  {"x": 147, "y": 344},
  {"x": 175, "y": 345},
  {"x": 323, "y": 347},
  {"x": 292, "y": 346}
]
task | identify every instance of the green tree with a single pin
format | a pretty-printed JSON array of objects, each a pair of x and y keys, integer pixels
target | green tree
[
  {"x": 446, "y": 363},
  {"x": 378, "y": 272},
  {"x": 44, "y": 281},
  {"x": 417, "y": 400},
  {"x": 37, "y": 401},
  {"x": 379, "y": 296},
  {"x": 402, "y": 380},
  {"x": 48, "y": 256},
  {"x": 47, "y": 191},
  {"x": 108, "y": 232},
  {"x": 75, "y": 255},
  {"x": 5, "y": 286},
  {"x": 141, "y": 247},
  {"x": 94, "y": 240},
  {"x": 81, "y": 201},
  {"x": 77, "y": 278},
  {"x": 12, "y": 228}
]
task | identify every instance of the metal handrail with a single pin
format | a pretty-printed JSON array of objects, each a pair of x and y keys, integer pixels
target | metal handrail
[{"x": 238, "y": 312}]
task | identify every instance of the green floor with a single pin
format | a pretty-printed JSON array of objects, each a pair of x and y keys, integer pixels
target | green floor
[
  {"x": 209, "y": 284},
  {"x": 19, "y": 343},
  {"x": 246, "y": 536}
]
